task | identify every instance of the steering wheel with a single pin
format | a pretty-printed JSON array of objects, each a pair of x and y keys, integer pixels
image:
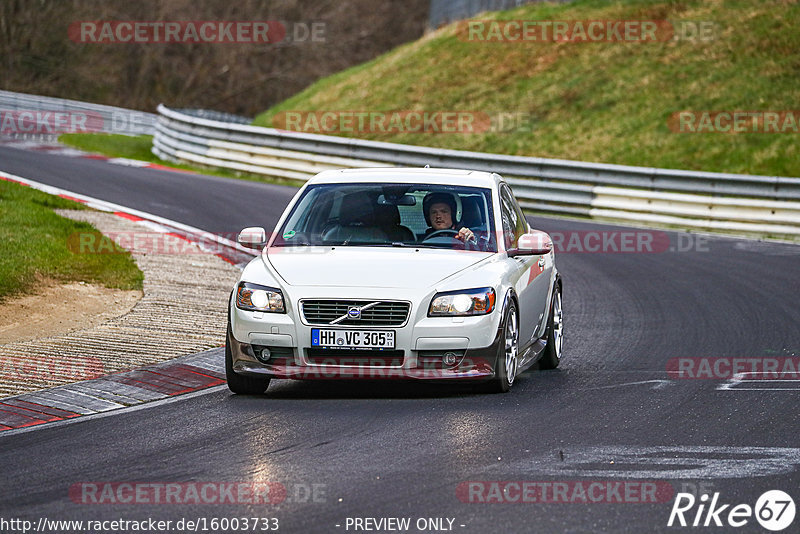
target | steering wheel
[{"x": 441, "y": 233}]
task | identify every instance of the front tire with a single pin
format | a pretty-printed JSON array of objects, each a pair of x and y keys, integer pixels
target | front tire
[
  {"x": 508, "y": 355},
  {"x": 243, "y": 385},
  {"x": 555, "y": 333}
]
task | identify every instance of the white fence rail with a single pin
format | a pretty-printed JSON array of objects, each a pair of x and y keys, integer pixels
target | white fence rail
[
  {"x": 97, "y": 117},
  {"x": 765, "y": 205}
]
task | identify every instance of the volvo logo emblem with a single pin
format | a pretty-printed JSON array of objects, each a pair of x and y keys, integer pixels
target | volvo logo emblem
[{"x": 354, "y": 312}]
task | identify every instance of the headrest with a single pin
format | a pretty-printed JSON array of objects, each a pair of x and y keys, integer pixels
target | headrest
[
  {"x": 387, "y": 215},
  {"x": 357, "y": 208},
  {"x": 471, "y": 215}
]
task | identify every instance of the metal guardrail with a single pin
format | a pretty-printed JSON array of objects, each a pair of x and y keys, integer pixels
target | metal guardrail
[
  {"x": 105, "y": 119},
  {"x": 214, "y": 115},
  {"x": 766, "y": 205}
]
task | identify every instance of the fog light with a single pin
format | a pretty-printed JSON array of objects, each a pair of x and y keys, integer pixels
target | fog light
[
  {"x": 450, "y": 358},
  {"x": 265, "y": 354}
]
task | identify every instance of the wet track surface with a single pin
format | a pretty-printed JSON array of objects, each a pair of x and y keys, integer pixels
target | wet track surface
[{"x": 610, "y": 413}]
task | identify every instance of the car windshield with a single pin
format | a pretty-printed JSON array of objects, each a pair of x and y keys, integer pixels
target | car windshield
[{"x": 386, "y": 214}]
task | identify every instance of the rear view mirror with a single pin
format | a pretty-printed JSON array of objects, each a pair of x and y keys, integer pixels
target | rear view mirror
[
  {"x": 404, "y": 200},
  {"x": 253, "y": 237},
  {"x": 532, "y": 244}
]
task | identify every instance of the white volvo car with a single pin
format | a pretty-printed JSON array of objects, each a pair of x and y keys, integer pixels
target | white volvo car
[{"x": 428, "y": 274}]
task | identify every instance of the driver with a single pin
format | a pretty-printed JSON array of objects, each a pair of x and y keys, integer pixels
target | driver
[{"x": 439, "y": 209}]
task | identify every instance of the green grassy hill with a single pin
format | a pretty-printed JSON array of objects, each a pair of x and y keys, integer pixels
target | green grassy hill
[{"x": 593, "y": 101}]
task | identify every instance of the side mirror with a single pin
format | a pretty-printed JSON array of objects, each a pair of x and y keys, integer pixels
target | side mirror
[
  {"x": 532, "y": 244},
  {"x": 253, "y": 237}
]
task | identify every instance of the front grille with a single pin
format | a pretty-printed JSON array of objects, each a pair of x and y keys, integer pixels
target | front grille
[
  {"x": 356, "y": 358},
  {"x": 384, "y": 313}
]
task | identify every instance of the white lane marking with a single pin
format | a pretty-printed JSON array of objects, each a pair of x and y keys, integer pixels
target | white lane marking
[
  {"x": 657, "y": 384},
  {"x": 743, "y": 381},
  {"x": 143, "y": 406},
  {"x": 129, "y": 162},
  {"x": 110, "y": 206},
  {"x": 663, "y": 462}
]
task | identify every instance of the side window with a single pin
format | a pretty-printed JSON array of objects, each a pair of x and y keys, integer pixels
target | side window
[
  {"x": 522, "y": 226},
  {"x": 514, "y": 223},
  {"x": 509, "y": 222}
]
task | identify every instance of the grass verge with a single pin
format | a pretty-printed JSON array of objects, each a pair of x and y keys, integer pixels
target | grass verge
[{"x": 34, "y": 244}]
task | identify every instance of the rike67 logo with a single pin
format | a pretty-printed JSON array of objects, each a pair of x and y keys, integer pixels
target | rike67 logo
[{"x": 774, "y": 510}]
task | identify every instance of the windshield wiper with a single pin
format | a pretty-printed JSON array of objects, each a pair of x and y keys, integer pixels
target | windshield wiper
[
  {"x": 432, "y": 246},
  {"x": 297, "y": 244},
  {"x": 395, "y": 244}
]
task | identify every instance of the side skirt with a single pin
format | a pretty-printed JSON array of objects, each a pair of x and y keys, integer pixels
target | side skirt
[{"x": 531, "y": 354}]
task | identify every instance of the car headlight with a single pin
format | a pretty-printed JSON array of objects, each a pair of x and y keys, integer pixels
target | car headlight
[
  {"x": 254, "y": 297},
  {"x": 466, "y": 302}
]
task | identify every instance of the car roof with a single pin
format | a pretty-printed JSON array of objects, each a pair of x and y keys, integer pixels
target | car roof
[{"x": 409, "y": 175}]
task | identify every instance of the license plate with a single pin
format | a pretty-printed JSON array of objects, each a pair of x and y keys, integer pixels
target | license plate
[{"x": 352, "y": 339}]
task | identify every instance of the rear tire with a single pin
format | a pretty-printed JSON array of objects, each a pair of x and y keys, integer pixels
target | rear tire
[
  {"x": 244, "y": 385},
  {"x": 555, "y": 333},
  {"x": 508, "y": 353}
]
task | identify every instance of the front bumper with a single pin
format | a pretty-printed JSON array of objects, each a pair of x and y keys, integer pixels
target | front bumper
[
  {"x": 294, "y": 362},
  {"x": 420, "y": 341}
]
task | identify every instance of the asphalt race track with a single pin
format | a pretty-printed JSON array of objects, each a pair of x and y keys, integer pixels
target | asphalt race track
[{"x": 611, "y": 414}]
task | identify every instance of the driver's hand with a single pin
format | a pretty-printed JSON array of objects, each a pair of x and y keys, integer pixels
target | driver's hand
[{"x": 465, "y": 235}]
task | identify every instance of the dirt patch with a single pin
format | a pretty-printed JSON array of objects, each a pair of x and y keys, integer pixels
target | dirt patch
[{"x": 60, "y": 308}]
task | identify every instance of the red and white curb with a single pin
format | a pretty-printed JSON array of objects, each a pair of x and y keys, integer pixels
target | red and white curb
[
  {"x": 57, "y": 148},
  {"x": 226, "y": 249},
  {"x": 157, "y": 382}
]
